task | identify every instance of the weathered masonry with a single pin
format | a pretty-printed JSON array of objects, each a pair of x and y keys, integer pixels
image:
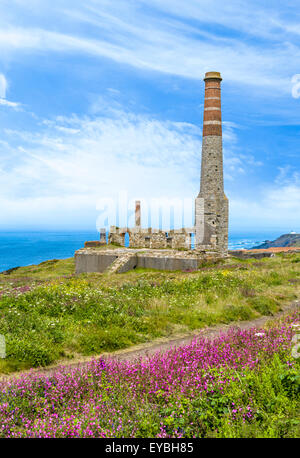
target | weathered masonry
[
  {"x": 211, "y": 214},
  {"x": 175, "y": 239},
  {"x": 211, "y": 206},
  {"x": 121, "y": 260}
]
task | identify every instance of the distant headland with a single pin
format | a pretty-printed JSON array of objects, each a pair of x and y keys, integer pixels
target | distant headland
[{"x": 285, "y": 240}]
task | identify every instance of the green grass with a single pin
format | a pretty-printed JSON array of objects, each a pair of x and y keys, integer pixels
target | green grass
[
  {"x": 64, "y": 316},
  {"x": 44, "y": 271},
  {"x": 110, "y": 246},
  {"x": 274, "y": 394}
]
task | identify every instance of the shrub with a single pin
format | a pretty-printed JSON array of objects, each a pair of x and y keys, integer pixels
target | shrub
[
  {"x": 237, "y": 312},
  {"x": 264, "y": 305},
  {"x": 35, "y": 352}
]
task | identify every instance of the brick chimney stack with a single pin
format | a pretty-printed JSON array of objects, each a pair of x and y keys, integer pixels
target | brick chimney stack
[
  {"x": 211, "y": 205},
  {"x": 137, "y": 213}
]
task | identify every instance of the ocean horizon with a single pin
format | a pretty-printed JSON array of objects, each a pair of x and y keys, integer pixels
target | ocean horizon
[{"x": 33, "y": 247}]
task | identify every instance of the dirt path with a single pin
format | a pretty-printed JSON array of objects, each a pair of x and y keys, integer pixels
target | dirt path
[
  {"x": 159, "y": 345},
  {"x": 208, "y": 333}
]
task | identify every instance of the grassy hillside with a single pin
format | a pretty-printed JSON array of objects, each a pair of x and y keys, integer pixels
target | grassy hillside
[{"x": 48, "y": 314}]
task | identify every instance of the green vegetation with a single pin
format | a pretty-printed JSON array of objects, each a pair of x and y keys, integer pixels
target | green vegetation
[
  {"x": 274, "y": 391},
  {"x": 241, "y": 384},
  {"x": 44, "y": 271},
  {"x": 49, "y": 314}
]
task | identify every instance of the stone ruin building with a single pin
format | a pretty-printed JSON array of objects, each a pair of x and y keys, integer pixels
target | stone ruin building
[{"x": 211, "y": 213}]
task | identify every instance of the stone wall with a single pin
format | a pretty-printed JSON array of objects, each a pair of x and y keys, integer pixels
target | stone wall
[
  {"x": 123, "y": 259},
  {"x": 93, "y": 262},
  {"x": 152, "y": 238},
  {"x": 116, "y": 236}
]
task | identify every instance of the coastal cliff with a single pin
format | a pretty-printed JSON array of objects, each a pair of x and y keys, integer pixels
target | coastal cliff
[{"x": 285, "y": 240}]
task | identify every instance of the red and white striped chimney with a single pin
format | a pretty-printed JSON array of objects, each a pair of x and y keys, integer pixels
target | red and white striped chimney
[{"x": 211, "y": 209}]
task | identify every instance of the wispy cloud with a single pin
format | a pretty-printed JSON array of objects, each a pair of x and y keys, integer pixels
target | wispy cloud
[
  {"x": 64, "y": 163},
  {"x": 275, "y": 206},
  {"x": 91, "y": 157},
  {"x": 8, "y": 103},
  {"x": 130, "y": 34},
  {"x": 250, "y": 19},
  {"x": 3, "y": 100},
  {"x": 3, "y": 86},
  {"x": 288, "y": 176},
  {"x": 87, "y": 153}
]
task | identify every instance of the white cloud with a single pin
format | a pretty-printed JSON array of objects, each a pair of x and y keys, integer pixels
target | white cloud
[
  {"x": 255, "y": 18},
  {"x": 62, "y": 170},
  {"x": 81, "y": 160},
  {"x": 3, "y": 86},
  {"x": 127, "y": 34},
  {"x": 64, "y": 167},
  {"x": 287, "y": 176},
  {"x": 84, "y": 159},
  {"x": 276, "y": 206},
  {"x": 7, "y": 103},
  {"x": 3, "y": 100}
]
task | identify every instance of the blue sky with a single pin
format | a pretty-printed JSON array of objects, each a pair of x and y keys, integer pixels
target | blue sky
[{"x": 104, "y": 96}]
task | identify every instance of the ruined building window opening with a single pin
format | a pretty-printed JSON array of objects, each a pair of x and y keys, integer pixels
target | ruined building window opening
[
  {"x": 192, "y": 241},
  {"x": 126, "y": 239}
]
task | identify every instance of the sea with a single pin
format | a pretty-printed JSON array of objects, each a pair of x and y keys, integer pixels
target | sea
[{"x": 32, "y": 247}]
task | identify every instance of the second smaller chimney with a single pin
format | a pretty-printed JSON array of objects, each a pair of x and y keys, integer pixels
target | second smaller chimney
[{"x": 137, "y": 213}]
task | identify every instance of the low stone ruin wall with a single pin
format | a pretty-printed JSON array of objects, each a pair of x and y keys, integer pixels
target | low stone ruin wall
[
  {"x": 93, "y": 262},
  {"x": 122, "y": 260},
  {"x": 245, "y": 254},
  {"x": 152, "y": 238}
]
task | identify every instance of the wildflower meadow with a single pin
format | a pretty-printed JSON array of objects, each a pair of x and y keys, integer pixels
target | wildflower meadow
[
  {"x": 244, "y": 383},
  {"x": 49, "y": 315}
]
